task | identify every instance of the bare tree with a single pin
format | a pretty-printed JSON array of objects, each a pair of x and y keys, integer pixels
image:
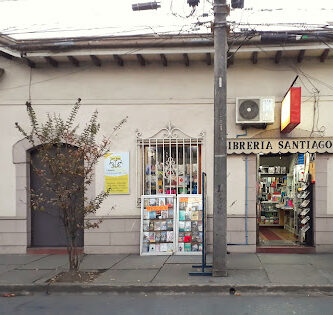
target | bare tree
[{"x": 69, "y": 158}]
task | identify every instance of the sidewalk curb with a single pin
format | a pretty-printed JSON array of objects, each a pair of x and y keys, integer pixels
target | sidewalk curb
[{"x": 22, "y": 289}]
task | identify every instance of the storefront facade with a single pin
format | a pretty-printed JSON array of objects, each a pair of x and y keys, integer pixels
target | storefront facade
[{"x": 172, "y": 102}]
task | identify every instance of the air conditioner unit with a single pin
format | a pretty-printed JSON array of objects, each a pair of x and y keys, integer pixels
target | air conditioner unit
[{"x": 255, "y": 110}]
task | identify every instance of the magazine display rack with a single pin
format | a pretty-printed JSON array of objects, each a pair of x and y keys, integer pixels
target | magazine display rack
[
  {"x": 189, "y": 225},
  {"x": 157, "y": 225}
]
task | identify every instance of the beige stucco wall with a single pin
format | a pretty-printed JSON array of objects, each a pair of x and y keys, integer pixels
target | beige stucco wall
[{"x": 152, "y": 96}]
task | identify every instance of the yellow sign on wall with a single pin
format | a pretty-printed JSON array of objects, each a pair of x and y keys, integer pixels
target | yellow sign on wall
[{"x": 116, "y": 173}]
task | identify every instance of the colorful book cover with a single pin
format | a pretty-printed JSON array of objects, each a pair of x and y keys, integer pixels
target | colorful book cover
[
  {"x": 163, "y": 226},
  {"x": 151, "y": 237},
  {"x": 169, "y": 236},
  {"x": 157, "y": 226},
  {"x": 181, "y": 226},
  {"x": 169, "y": 224},
  {"x": 152, "y": 202},
  {"x": 145, "y": 248},
  {"x": 163, "y": 247},
  {"x": 145, "y": 237},
  {"x": 170, "y": 201},
  {"x": 182, "y": 215},
  {"x": 146, "y": 203},
  {"x": 187, "y": 247},
  {"x": 157, "y": 247},
  {"x": 182, "y": 205},
  {"x": 158, "y": 215},
  {"x": 181, "y": 237},
  {"x": 164, "y": 214},
  {"x": 200, "y": 226},
  {"x": 195, "y": 215},
  {"x": 157, "y": 237},
  {"x": 195, "y": 247},
  {"x": 195, "y": 236},
  {"x": 187, "y": 226},
  {"x": 145, "y": 214},
  {"x": 170, "y": 214},
  {"x": 194, "y": 226},
  {"x": 199, "y": 239},
  {"x": 181, "y": 247},
  {"x": 161, "y": 202},
  {"x": 170, "y": 247},
  {"x": 163, "y": 237},
  {"x": 188, "y": 215},
  {"x": 145, "y": 226},
  {"x": 151, "y": 225},
  {"x": 152, "y": 248},
  {"x": 152, "y": 214},
  {"x": 187, "y": 239}
]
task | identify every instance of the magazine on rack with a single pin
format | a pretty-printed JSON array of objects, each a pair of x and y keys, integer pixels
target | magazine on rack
[
  {"x": 145, "y": 214},
  {"x": 163, "y": 237},
  {"x": 170, "y": 247},
  {"x": 161, "y": 201},
  {"x": 152, "y": 215},
  {"x": 163, "y": 226},
  {"x": 157, "y": 236},
  {"x": 145, "y": 247},
  {"x": 145, "y": 237},
  {"x": 188, "y": 215},
  {"x": 151, "y": 237},
  {"x": 180, "y": 247},
  {"x": 195, "y": 215},
  {"x": 145, "y": 226},
  {"x": 163, "y": 247},
  {"x": 152, "y": 202},
  {"x": 170, "y": 236},
  {"x": 151, "y": 225},
  {"x": 169, "y": 224},
  {"x": 187, "y": 226},
  {"x": 187, "y": 247},
  {"x": 157, "y": 226}
]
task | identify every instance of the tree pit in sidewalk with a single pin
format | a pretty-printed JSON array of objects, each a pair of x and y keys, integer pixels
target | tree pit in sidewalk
[{"x": 75, "y": 277}]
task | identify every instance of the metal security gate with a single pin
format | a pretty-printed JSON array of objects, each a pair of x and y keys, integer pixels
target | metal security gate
[{"x": 169, "y": 162}]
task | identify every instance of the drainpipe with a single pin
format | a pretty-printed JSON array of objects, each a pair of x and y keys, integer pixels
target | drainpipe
[{"x": 246, "y": 203}]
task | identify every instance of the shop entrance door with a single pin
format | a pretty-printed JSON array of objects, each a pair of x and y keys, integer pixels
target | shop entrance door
[
  {"x": 284, "y": 207},
  {"x": 47, "y": 229}
]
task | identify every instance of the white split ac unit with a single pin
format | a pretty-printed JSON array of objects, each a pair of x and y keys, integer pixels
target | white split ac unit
[{"x": 255, "y": 110}]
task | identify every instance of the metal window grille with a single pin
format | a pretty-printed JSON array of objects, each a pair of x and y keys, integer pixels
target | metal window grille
[{"x": 169, "y": 162}]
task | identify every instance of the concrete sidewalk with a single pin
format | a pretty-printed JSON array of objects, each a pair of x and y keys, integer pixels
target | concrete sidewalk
[{"x": 246, "y": 272}]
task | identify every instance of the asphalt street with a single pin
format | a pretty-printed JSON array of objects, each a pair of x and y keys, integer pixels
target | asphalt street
[{"x": 165, "y": 304}]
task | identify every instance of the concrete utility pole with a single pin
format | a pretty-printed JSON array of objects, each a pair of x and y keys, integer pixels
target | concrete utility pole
[{"x": 220, "y": 140}]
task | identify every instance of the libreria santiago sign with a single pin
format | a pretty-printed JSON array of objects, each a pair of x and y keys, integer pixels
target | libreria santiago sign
[{"x": 290, "y": 145}]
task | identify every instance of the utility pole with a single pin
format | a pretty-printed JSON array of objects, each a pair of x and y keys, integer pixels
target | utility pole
[{"x": 220, "y": 140}]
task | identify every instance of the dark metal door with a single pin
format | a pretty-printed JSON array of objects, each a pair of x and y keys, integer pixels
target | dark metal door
[{"x": 47, "y": 229}]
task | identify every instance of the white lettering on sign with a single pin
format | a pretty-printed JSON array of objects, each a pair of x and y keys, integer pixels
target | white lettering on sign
[{"x": 312, "y": 145}]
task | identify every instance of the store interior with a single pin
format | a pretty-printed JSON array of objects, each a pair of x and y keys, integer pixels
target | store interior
[{"x": 284, "y": 205}]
